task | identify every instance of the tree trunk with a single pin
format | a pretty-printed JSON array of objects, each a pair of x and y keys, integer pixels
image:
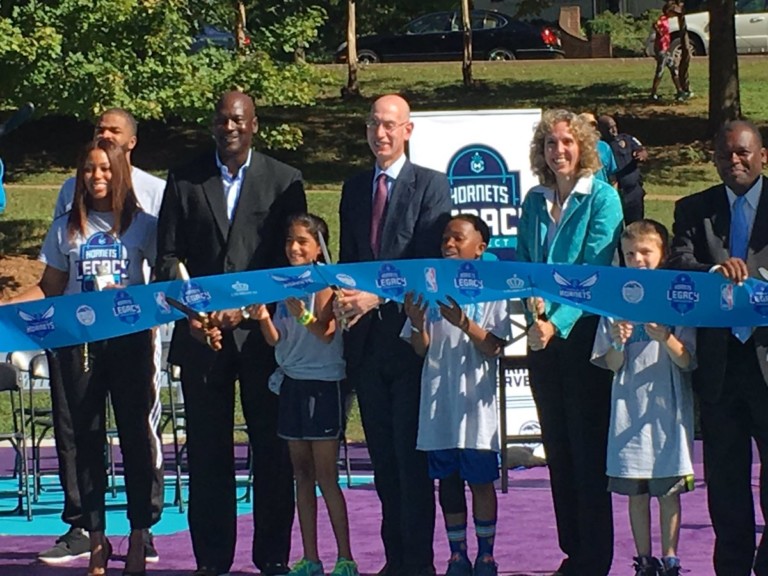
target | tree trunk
[
  {"x": 466, "y": 65},
  {"x": 685, "y": 49},
  {"x": 352, "y": 89},
  {"x": 240, "y": 26},
  {"x": 724, "y": 98}
]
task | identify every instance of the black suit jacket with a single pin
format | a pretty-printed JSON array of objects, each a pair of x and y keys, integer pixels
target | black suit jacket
[
  {"x": 418, "y": 208},
  {"x": 194, "y": 228},
  {"x": 701, "y": 240}
]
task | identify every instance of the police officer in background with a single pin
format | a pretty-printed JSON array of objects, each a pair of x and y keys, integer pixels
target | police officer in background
[{"x": 629, "y": 153}]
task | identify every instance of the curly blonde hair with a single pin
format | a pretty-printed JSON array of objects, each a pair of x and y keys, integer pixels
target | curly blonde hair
[{"x": 583, "y": 131}]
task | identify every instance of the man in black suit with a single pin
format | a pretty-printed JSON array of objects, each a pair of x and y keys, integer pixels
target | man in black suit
[
  {"x": 226, "y": 212},
  {"x": 394, "y": 210},
  {"x": 725, "y": 229}
]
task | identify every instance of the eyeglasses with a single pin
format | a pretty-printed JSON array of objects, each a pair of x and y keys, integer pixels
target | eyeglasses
[{"x": 388, "y": 125}]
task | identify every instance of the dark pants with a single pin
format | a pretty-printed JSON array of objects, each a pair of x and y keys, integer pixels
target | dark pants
[
  {"x": 122, "y": 367},
  {"x": 633, "y": 205},
  {"x": 388, "y": 386},
  {"x": 64, "y": 435},
  {"x": 728, "y": 426},
  {"x": 209, "y": 402},
  {"x": 573, "y": 399}
]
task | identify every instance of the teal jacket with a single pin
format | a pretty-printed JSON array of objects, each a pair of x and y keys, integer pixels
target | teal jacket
[{"x": 588, "y": 233}]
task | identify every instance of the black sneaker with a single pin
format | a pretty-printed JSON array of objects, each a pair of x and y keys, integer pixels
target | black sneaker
[
  {"x": 646, "y": 566},
  {"x": 669, "y": 566},
  {"x": 150, "y": 552},
  {"x": 74, "y": 544}
]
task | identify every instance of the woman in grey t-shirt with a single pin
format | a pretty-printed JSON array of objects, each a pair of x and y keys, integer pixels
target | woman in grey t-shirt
[{"x": 101, "y": 243}]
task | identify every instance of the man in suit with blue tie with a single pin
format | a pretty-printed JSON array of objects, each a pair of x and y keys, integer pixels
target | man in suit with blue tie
[
  {"x": 396, "y": 210},
  {"x": 725, "y": 229}
]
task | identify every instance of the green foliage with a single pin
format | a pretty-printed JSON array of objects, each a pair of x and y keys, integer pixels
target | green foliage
[
  {"x": 628, "y": 33},
  {"x": 76, "y": 57},
  {"x": 286, "y": 27}
]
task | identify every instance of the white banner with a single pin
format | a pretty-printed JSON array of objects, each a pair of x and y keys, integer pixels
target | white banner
[{"x": 485, "y": 154}]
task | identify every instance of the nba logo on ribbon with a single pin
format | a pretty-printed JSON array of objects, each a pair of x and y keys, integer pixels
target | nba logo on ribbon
[
  {"x": 430, "y": 279},
  {"x": 726, "y": 297}
]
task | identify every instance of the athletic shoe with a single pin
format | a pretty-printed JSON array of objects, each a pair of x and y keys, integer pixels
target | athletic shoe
[
  {"x": 150, "y": 552},
  {"x": 459, "y": 565},
  {"x": 485, "y": 566},
  {"x": 305, "y": 567},
  {"x": 274, "y": 568},
  {"x": 74, "y": 544},
  {"x": 204, "y": 571},
  {"x": 345, "y": 567},
  {"x": 646, "y": 566},
  {"x": 669, "y": 566}
]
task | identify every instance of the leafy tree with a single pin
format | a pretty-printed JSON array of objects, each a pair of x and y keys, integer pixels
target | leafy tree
[
  {"x": 75, "y": 57},
  {"x": 287, "y": 28}
]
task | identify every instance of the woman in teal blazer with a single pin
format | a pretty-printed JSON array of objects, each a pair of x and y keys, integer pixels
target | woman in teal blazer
[{"x": 571, "y": 218}]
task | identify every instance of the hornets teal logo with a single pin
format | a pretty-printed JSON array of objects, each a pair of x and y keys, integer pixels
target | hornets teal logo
[{"x": 481, "y": 184}]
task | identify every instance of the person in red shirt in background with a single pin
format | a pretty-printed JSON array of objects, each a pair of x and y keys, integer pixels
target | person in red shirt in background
[{"x": 665, "y": 58}]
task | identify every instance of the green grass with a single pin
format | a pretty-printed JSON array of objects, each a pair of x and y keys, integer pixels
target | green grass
[{"x": 334, "y": 145}]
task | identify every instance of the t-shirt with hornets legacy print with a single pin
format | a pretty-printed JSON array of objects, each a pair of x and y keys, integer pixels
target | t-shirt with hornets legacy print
[{"x": 84, "y": 256}]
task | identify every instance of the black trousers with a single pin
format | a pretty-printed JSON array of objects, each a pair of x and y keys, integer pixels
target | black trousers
[
  {"x": 64, "y": 435},
  {"x": 388, "y": 384},
  {"x": 729, "y": 425},
  {"x": 123, "y": 367},
  {"x": 573, "y": 400},
  {"x": 633, "y": 205},
  {"x": 209, "y": 402}
]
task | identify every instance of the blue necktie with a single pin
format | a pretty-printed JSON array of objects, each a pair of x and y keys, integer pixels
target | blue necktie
[{"x": 739, "y": 246}]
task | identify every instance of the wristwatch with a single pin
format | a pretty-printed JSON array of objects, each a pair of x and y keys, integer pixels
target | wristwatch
[{"x": 245, "y": 313}]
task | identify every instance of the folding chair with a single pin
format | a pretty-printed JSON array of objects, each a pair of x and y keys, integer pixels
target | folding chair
[
  {"x": 10, "y": 382},
  {"x": 246, "y": 497},
  {"x": 38, "y": 412},
  {"x": 173, "y": 413}
]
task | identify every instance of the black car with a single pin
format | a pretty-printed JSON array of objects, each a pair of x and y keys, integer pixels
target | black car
[
  {"x": 438, "y": 36},
  {"x": 215, "y": 37}
]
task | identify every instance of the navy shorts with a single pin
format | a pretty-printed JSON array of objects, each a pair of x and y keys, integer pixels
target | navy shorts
[
  {"x": 656, "y": 487},
  {"x": 309, "y": 410},
  {"x": 473, "y": 466}
]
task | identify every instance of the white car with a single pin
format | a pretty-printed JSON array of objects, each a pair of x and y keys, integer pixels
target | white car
[{"x": 751, "y": 30}]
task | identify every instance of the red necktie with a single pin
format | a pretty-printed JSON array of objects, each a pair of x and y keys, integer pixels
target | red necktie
[{"x": 377, "y": 214}]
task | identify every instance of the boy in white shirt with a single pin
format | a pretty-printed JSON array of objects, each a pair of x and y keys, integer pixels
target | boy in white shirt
[{"x": 458, "y": 412}]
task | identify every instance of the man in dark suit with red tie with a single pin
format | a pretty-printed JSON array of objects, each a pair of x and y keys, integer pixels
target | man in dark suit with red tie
[
  {"x": 394, "y": 211},
  {"x": 223, "y": 212},
  {"x": 725, "y": 229}
]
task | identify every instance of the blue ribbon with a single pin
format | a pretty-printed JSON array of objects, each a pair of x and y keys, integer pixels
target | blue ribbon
[{"x": 670, "y": 297}]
